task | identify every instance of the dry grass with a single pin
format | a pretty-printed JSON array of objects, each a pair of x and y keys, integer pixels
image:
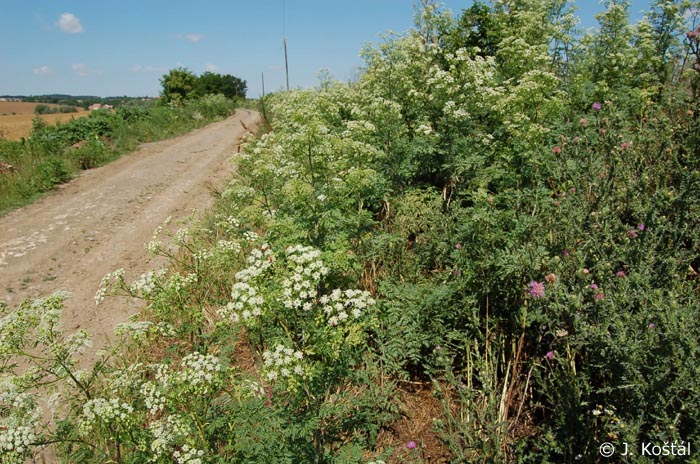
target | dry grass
[
  {"x": 16, "y": 126},
  {"x": 418, "y": 409}
]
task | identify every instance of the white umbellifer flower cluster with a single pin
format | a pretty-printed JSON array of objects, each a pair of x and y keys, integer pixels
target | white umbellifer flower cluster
[
  {"x": 125, "y": 379},
  {"x": 166, "y": 432},
  {"x": 424, "y": 129},
  {"x": 104, "y": 410},
  {"x": 300, "y": 288},
  {"x": 78, "y": 341},
  {"x": 15, "y": 442},
  {"x": 223, "y": 247},
  {"x": 250, "y": 236},
  {"x": 229, "y": 223},
  {"x": 17, "y": 430},
  {"x": 188, "y": 455},
  {"x": 204, "y": 255},
  {"x": 162, "y": 373},
  {"x": 155, "y": 246},
  {"x": 146, "y": 284},
  {"x": 105, "y": 283},
  {"x": 269, "y": 214},
  {"x": 138, "y": 329},
  {"x": 340, "y": 306},
  {"x": 228, "y": 246},
  {"x": 252, "y": 388},
  {"x": 135, "y": 329},
  {"x": 259, "y": 259},
  {"x": 199, "y": 371},
  {"x": 153, "y": 397},
  {"x": 246, "y": 303},
  {"x": 178, "y": 282},
  {"x": 282, "y": 363},
  {"x": 181, "y": 235}
]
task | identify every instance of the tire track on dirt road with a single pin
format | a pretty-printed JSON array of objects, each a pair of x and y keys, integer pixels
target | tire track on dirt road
[{"x": 101, "y": 221}]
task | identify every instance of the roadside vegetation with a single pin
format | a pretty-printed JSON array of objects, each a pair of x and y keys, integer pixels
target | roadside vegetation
[
  {"x": 484, "y": 250},
  {"x": 52, "y": 155}
]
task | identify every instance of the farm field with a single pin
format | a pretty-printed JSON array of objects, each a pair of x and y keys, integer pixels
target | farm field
[{"x": 18, "y": 125}]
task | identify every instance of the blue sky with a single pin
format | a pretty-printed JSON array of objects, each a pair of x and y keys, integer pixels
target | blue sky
[{"x": 123, "y": 47}]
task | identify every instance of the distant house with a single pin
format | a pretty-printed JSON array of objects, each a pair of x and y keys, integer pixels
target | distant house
[{"x": 99, "y": 106}]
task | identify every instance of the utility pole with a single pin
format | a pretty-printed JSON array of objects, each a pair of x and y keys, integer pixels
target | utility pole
[
  {"x": 284, "y": 40},
  {"x": 262, "y": 100},
  {"x": 286, "y": 63}
]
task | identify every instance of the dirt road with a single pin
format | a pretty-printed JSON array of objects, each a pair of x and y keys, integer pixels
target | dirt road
[{"x": 100, "y": 222}]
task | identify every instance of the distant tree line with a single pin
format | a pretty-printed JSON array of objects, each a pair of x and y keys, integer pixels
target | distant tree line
[
  {"x": 46, "y": 109},
  {"x": 81, "y": 101},
  {"x": 181, "y": 84}
]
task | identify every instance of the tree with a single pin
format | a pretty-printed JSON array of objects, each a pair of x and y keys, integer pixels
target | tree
[
  {"x": 226, "y": 85},
  {"x": 178, "y": 85}
]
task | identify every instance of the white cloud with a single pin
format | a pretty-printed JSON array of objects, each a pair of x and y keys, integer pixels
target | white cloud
[
  {"x": 83, "y": 70},
  {"x": 42, "y": 70},
  {"x": 137, "y": 68},
  {"x": 211, "y": 67},
  {"x": 191, "y": 37},
  {"x": 70, "y": 24}
]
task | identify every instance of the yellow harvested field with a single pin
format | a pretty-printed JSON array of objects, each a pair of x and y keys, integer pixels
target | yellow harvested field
[
  {"x": 16, "y": 126},
  {"x": 7, "y": 108}
]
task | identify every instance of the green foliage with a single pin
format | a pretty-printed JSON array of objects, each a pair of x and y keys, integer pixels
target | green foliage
[
  {"x": 178, "y": 85},
  {"x": 229, "y": 86}
]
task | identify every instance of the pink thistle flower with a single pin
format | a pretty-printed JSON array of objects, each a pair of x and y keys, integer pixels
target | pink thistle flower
[
  {"x": 641, "y": 227},
  {"x": 566, "y": 253},
  {"x": 411, "y": 444},
  {"x": 651, "y": 325},
  {"x": 556, "y": 150},
  {"x": 599, "y": 296},
  {"x": 594, "y": 286},
  {"x": 632, "y": 233},
  {"x": 549, "y": 355},
  {"x": 536, "y": 289},
  {"x": 621, "y": 274},
  {"x": 625, "y": 145},
  {"x": 458, "y": 246},
  {"x": 596, "y": 106}
]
